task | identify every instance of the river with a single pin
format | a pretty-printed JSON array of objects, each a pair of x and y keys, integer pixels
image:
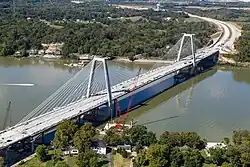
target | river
[{"x": 212, "y": 104}]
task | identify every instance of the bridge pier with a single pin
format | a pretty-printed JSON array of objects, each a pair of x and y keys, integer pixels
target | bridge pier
[{"x": 107, "y": 81}]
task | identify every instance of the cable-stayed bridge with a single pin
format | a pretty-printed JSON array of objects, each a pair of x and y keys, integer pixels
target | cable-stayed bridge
[
  {"x": 76, "y": 88},
  {"x": 96, "y": 87}
]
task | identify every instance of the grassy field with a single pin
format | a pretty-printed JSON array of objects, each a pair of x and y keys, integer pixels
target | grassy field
[
  {"x": 35, "y": 162},
  {"x": 119, "y": 161},
  {"x": 71, "y": 161}
]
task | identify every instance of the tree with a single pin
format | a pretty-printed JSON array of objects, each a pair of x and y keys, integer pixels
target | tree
[
  {"x": 42, "y": 153},
  {"x": 176, "y": 158},
  {"x": 239, "y": 136},
  {"x": 233, "y": 155},
  {"x": 112, "y": 137},
  {"x": 158, "y": 155},
  {"x": 83, "y": 137},
  {"x": 1, "y": 161},
  {"x": 218, "y": 156},
  {"x": 57, "y": 155},
  {"x": 141, "y": 158},
  {"x": 226, "y": 140},
  {"x": 61, "y": 164},
  {"x": 193, "y": 140},
  {"x": 245, "y": 159},
  {"x": 150, "y": 139},
  {"x": 65, "y": 131},
  {"x": 193, "y": 157},
  {"x": 139, "y": 134},
  {"x": 225, "y": 164},
  {"x": 88, "y": 158},
  {"x": 173, "y": 139}
]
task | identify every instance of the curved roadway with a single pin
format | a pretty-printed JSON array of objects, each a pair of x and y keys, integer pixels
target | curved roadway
[{"x": 230, "y": 33}]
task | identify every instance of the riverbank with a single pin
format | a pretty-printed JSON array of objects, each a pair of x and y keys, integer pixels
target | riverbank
[{"x": 223, "y": 60}]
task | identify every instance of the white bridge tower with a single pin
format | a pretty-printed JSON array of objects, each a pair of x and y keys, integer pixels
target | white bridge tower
[{"x": 107, "y": 80}]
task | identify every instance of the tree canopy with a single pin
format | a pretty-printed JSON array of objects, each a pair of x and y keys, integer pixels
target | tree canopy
[
  {"x": 96, "y": 28},
  {"x": 42, "y": 153},
  {"x": 65, "y": 131},
  {"x": 83, "y": 137},
  {"x": 88, "y": 159}
]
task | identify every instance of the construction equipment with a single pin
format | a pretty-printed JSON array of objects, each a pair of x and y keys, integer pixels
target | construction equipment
[
  {"x": 121, "y": 119},
  {"x": 133, "y": 92}
]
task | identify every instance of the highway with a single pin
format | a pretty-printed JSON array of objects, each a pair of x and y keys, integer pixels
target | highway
[{"x": 230, "y": 33}]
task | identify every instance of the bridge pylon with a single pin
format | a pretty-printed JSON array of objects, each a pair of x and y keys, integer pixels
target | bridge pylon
[
  {"x": 192, "y": 46},
  {"x": 107, "y": 80}
]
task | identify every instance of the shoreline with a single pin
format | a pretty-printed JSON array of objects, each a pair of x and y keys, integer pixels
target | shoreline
[{"x": 231, "y": 62}]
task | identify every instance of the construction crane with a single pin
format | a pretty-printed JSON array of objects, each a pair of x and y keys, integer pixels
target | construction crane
[{"x": 121, "y": 119}]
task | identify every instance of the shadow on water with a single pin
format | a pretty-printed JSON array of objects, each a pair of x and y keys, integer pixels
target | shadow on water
[
  {"x": 239, "y": 74},
  {"x": 169, "y": 94},
  {"x": 159, "y": 120}
]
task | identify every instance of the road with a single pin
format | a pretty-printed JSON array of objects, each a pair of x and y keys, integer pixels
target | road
[{"x": 230, "y": 33}]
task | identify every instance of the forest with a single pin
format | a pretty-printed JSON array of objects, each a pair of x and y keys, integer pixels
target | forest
[
  {"x": 223, "y": 14},
  {"x": 243, "y": 45},
  {"x": 96, "y": 28}
]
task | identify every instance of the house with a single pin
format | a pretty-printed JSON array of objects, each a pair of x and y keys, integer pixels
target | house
[
  {"x": 53, "y": 48},
  {"x": 99, "y": 146}
]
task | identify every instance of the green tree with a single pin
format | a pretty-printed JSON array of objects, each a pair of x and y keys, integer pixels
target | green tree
[
  {"x": 193, "y": 140},
  {"x": 193, "y": 157},
  {"x": 61, "y": 164},
  {"x": 226, "y": 164},
  {"x": 65, "y": 131},
  {"x": 176, "y": 158},
  {"x": 88, "y": 158},
  {"x": 112, "y": 137},
  {"x": 174, "y": 139},
  {"x": 239, "y": 136},
  {"x": 150, "y": 139},
  {"x": 233, "y": 155},
  {"x": 139, "y": 134},
  {"x": 226, "y": 140},
  {"x": 83, "y": 137},
  {"x": 42, "y": 153},
  {"x": 57, "y": 155},
  {"x": 158, "y": 155},
  {"x": 1, "y": 161},
  {"x": 245, "y": 159},
  {"x": 141, "y": 158},
  {"x": 218, "y": 156}
]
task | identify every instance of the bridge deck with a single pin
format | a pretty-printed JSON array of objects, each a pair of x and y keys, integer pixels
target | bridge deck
[{"x": 49, "y": 120}]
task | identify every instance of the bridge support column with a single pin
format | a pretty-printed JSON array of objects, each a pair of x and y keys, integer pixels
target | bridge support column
[
  {"x": 107, "y": 81},
  {"x": 192, "y": 47},
  {"x": 92, "y": 72},
  {"x": 108, "y": 87},
  {"x": 180, "y": 49},
  {"x": 32, "y": 145}
]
